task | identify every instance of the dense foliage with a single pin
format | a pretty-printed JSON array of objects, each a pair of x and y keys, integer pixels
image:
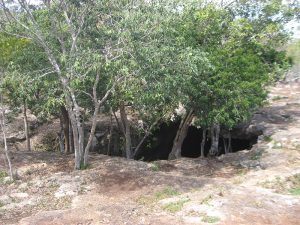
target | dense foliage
[{"x": 216, "y": 60}]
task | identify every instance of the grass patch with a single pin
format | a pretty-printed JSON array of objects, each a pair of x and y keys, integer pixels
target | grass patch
[
  {"x": 206, "y": 200},
  {"x": 277, "y": 184},
  {"x": 154, "y": 167},
  {"x": 257, "y": 155},
  {"x": 50, "y": 203},
  {"x": 242, "y": 171},
  {"x": 175, "y": 206},
  {"x": 277, "y": 145},
  {"x": 84, "y": 167},
  {"x": 294, "y": 185},
  {"x": 166, "y": 193},
  {"x": 210, "y": 219},
  {"x": 3, "y": 174},
  {"x": 238, "y": 181},
  {"x": 290, "y": 185},
  {"x": 267, "y": 138},
  {"x": 276, "y": 98},
  {"x": 297, "y": 147},
  {"x": 295, "y": 191}
]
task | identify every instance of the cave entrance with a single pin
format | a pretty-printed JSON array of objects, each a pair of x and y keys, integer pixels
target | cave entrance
[
  {"x": 159, "y": 145},
  {"x": 191, "y": 145}
]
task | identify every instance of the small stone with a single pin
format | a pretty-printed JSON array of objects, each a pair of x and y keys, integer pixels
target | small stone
[
  {"x": 250, "y": 163},
  {"x": 38, "y": 184},
  {"x": 89, "y": 188},
  {"x": 278, "y": 145},
  {"x": 66, "y": 190},
  {"x": 23, "y": 186},
  {"x": 7, "y": 180},
  {"x": 20, "y": 195},
  {"x": 5, "y": 199},
  {"x": 236, "y": 163}
]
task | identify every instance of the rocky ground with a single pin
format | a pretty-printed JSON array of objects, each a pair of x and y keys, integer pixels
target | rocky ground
[{"x": 260, "y": 186}]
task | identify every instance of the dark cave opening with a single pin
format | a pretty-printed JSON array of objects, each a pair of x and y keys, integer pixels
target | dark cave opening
[{"x": 159, "y": 145}]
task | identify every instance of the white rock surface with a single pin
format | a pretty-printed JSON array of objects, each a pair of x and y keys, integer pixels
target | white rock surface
[
  {"x": 20, "y": 195},
  {"x": 5, "y": 199}
]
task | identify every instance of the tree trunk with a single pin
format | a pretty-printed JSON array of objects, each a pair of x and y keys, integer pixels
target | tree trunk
[
  {"x": 66, "y": 127},
  {"x": 83, "y": 155},
  {"x": 77, "y": 137},
  {"x": 2, "y": 122},
  {"x": 225, "y": 146},
  {"x": 126, "y": 127},
  {"x": 26, "y": 128},
  {"x": 110, "y": 132},
  {"x": 4, "y": 159},
  {"x": 180, "y": 136},
  {"x": 97, "y": 104},
  {"x": 203, "y": 142},
  {"x": 61, "y": 136},
  {"x": 215, "y": 133},
  {"x": 121, "y": 128},
  {"x": 148, "y": 132},
  {"x": 229, "y": 142},
  {"x": 71, "y": 139},
  {"x": 92, "y": 134}
]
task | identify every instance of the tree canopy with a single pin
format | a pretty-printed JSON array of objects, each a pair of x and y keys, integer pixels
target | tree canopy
[{"x": 215, "y": 59}]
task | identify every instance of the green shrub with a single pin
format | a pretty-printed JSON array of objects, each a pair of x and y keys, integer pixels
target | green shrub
[
  {"x": 166, "y": 193},
  {"x": 175, "y": 206},
  {"x": 210, "y": 219}
]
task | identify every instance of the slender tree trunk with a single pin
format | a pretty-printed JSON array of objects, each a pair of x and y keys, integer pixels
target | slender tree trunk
[
  {"x": 61, "y": 142},
  {"x": 126, "y": 126},
  {"x": 225, "y": 146},
  {"x": 229, "y": 142},
  {"x": 181, "y": 135},
  {"x": 76, "y": 118},
  {"x": 61, "y": 136},
  {"x": 92, "y": 134},
  {"x": 26, "y": 127},
  {"x": 66, "y": 127},
  {"x": 83, "y": 155},
  {"x": 71, "y": 139},
  {"x": 121, "y": 128},
  {"x": 215, "y": 133},
  {"x": 97, "y": 104},
  {"x": 203, "y": 142},
  {"x": 148, "y": 132},
  {"x": 110, "y": 132},
  {"x": 77, "y": 139},
  {"x": 2, "y": 122},
  {"x": 4, "y": 159}
]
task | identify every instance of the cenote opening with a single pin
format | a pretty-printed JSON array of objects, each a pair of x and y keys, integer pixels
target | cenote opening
[{"x": 159, "y": 145}]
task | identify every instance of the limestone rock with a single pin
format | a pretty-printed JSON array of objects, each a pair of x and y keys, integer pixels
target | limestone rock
[
  {"x": 20, "y": 195},
  {"x": 5, "y": 199}
]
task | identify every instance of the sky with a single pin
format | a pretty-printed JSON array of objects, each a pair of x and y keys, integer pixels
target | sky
[{"x": 295, "y": 28}]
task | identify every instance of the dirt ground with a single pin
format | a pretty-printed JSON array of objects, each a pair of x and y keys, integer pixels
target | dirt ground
[{"x": 259, "y": 186}]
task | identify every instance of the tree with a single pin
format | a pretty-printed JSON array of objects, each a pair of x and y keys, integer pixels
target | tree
[
  {"x": 159, "y": 61},
  {"x": 243, "y": 60},
  {"x": 2, "y": 125},
  {"x": 92, "y": 47},
  {"x": 149, "y": 55},
  {"x": 11, "y": 48},
  {"x": 58, "y": 27},
  {"x": 8, "y": 47}
]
